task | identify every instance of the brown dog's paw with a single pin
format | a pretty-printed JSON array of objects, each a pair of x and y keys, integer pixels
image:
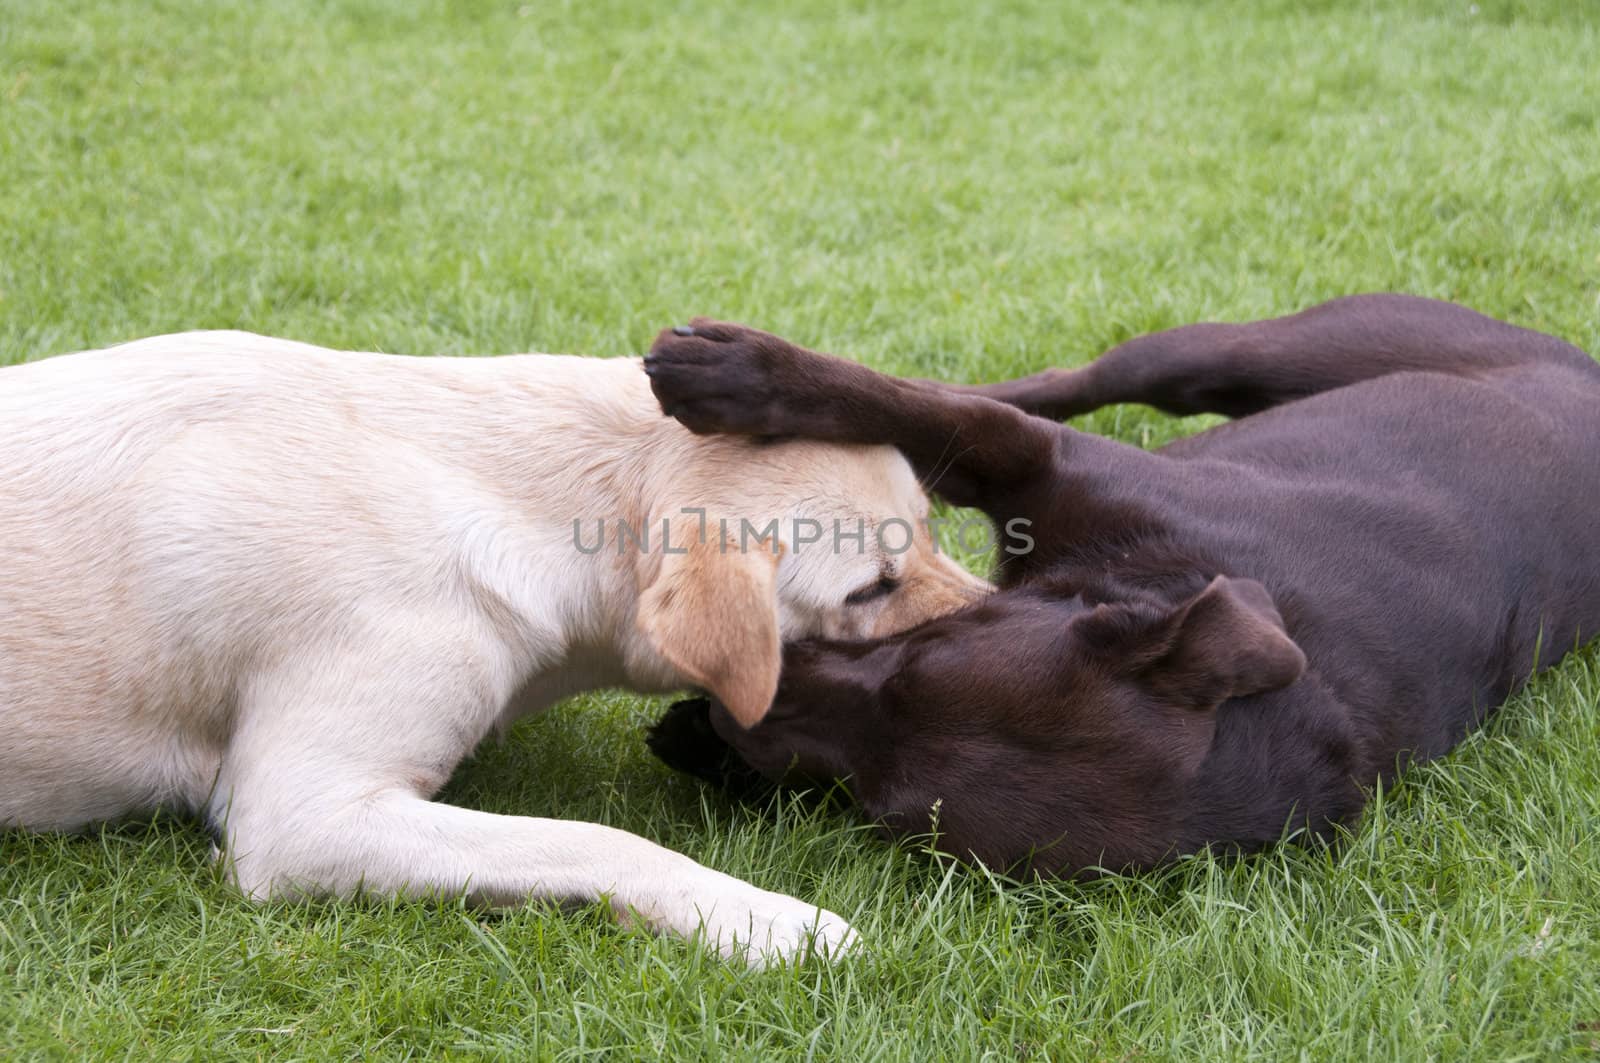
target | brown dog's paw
[{"x": 718, "y": 377}]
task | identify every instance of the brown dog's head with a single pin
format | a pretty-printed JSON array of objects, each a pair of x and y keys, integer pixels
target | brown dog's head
[{"x": 1029, "y": 731}]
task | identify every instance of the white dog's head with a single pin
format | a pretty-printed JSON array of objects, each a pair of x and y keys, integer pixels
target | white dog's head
[{"x": 798, "y": 540}]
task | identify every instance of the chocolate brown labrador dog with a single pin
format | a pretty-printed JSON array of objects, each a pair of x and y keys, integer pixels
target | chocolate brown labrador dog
[{"x": 1213, "y": 643}]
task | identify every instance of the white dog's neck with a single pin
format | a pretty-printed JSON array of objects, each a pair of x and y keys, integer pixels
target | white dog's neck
[{"x": 597, "y": 505}]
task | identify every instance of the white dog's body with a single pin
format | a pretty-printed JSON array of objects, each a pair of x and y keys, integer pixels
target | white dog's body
[{"x": 290, "y": 588}]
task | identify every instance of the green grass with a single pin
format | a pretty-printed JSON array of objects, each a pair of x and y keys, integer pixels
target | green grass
[{"x": 970, "y": 189}]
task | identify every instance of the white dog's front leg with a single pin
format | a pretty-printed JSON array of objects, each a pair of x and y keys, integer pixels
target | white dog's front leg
[
  {"x": 397, "y": 843},
  {"x": 323, "y": 792}
]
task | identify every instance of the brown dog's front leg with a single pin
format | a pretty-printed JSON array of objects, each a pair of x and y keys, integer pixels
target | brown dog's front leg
[{"x": 719, "y": 377}]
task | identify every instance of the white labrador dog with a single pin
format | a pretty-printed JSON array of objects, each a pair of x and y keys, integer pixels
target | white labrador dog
[{"x": 290, "y": 588}]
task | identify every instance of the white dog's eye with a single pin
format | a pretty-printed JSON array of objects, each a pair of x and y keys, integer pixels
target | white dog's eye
[{"x": 885, "y": 585}]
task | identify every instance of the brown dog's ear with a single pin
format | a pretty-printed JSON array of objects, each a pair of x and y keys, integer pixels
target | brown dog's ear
[
  {"x": 1226, "y": 642},
  {"x": 712, "y": 611}
]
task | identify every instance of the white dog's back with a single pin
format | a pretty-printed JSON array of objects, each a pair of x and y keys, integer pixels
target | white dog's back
[{"x": 195, "y": 503}]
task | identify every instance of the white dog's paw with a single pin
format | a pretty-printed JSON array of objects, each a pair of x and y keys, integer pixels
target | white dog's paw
[{"x": 764, "y": 928}]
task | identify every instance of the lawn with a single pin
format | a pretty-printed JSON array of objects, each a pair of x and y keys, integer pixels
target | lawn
[{"x": 968, "y": 189}]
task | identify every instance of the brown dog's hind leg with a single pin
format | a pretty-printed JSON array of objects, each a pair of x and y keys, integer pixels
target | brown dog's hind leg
[{"x": 1240, "y": 369}]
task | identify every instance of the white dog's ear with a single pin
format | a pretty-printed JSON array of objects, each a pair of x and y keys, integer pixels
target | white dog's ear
[{"x": 712, "y": 610}]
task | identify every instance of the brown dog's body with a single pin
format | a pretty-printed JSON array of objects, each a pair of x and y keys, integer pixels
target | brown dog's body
[{"x": 1210, "y": 643}]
